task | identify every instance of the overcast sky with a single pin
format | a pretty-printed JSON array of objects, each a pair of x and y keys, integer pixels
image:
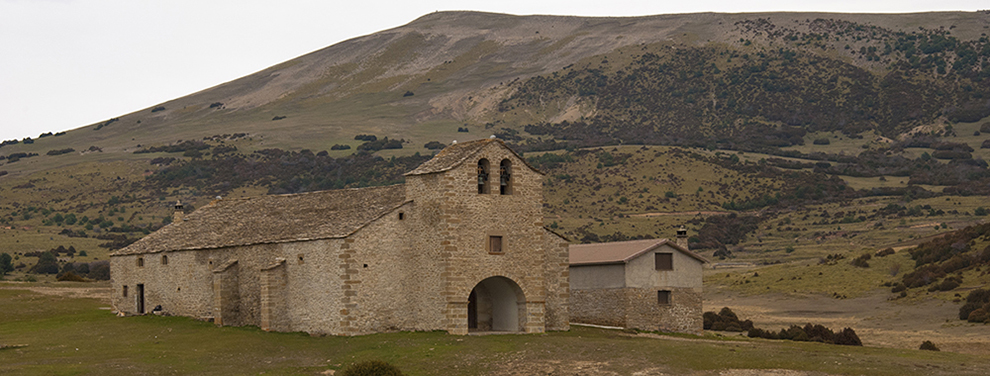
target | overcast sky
[{"x": 68, "y": 63}]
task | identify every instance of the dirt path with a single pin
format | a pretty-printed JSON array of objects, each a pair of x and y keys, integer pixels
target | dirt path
[{"x": 877, "y": 321}]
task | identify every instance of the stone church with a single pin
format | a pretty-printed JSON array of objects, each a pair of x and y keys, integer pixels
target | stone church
[{"x": 461, "y": 247}]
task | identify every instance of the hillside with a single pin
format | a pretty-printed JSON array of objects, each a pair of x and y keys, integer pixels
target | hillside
[{"x": 797, "y": 134}]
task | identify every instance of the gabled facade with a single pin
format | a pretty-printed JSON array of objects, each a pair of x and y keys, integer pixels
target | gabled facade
[
  {"x": 459, "y": 247},
  {"x": 652, "y": 284}
]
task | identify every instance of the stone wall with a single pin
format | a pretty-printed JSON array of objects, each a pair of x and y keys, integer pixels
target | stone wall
[
  {"x": 638, "y": 308},
  {"x": 466, "y": 219},
  {"x": 682, "y": 315},
  {"x": 599, "y": 306}
]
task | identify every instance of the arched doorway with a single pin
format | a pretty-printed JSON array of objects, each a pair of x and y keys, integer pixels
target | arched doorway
[{"x": 496, "y": 304}]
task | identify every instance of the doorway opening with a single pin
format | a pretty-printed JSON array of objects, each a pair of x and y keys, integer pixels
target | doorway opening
[
  {"x": 140, "y": 299},
  {"x": 496, "y": 304}
]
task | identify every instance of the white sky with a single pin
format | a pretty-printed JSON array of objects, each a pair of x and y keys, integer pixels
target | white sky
[{"x": 68, "y": 63}]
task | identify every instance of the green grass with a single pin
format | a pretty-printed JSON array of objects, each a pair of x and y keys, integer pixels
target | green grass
[
  {"x": 65, "y": 336},
  {"x": 837, "y": 279}
]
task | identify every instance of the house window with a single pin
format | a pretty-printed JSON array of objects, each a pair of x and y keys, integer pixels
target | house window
[
  {"x": 495, "y": 244},
  {"x": 663, "y": 297},
  {"x": 664, "y": 261},
  {"x": 140, "y": 261},
  {"x": 164, "y": 260},
  {"x": 483, "y": 170},
  {"x": 125, "y": 291},
  {"x": 402, "y": 216},
  {"x": 300, "y": 256},
  {"x": 505, "y": 177}
]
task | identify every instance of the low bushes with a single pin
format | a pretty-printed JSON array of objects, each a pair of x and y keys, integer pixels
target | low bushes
[
  {"x": 728, "y": 321},
  {"x": 977, "y": 307},
  {"x": 371, "y": 368}
]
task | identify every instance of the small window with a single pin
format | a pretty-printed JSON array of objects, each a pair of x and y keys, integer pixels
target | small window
[
  {"x": 663, "y": 297},
  {"x": 402, "y": 216},
  {"x": 495, "y": 244},
  {"x": 664, "y": 261},
  {"x": 505, "y": 177},
  {"x": 140, "y": 261},
  {"x": 483, "y": 172},
  {"x": 125, "y": 291},
  {"x": 300, "y": 256},
  {"x": 164, "y": 260}
]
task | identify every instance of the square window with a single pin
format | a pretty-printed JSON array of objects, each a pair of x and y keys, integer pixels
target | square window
[
  {"x": 495, "y": 244},
  {"x": 663, "y": 297},
  {"x": 664, "y": 261}
]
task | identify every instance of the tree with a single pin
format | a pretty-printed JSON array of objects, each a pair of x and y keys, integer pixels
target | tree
[
  {"x": 47, "y": 264},
  {"x": 6, "y": 264}
]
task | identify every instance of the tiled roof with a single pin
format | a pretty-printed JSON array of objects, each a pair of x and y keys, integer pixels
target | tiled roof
[
  {"x": 620, "y": 252},
  {"x": 453, "y": 155},
  {"x": 273, "y": 219}
]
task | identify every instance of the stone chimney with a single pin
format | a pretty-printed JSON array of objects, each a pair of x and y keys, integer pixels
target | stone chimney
[
  {"x": 682, "y": 238},
  {"x": 178, "y": 213}
]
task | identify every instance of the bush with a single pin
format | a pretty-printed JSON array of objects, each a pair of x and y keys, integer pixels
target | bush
[
  {"x": 975, "y": 300},
  {"x": 434, "y": 145},
  {"x": 821, "y": 141},
  {"x": 979, "y": 315},
  {"x": 6, "y": 264},
  {"x": 371, "y": 368},
  {"x": 861, "y": 261},
  {"x": 71, "y": 277},
  {"x": 885, "y": 252},
  {"x": 47, "y": 264},
  {"x": 848, "y": 337},
  {"x": 928, "y": 345}
]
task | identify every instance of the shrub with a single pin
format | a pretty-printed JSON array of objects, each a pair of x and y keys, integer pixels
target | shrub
[
  {"x": 821, "y": 141},
  {"x": 71, "y": 277},
  {"x": 159, "y": 108},
  {"x": 861, "y": 261},
  {"x": 340, "y": 147},
  {"x": 975, "y": 300},
  {"x": 408, "y": 94},
  {"x": 99, "y": 271},
  {"x": 928, "y": 345},
  {"x": 6, "y": 264},
  {"x": 847, "y": 337},
  {"x": 371, "y": 368},
  {"x": 47, "y": 264},
  {"x": 885, "y": 252},
  {"x": 434, "y": 145},
  {"x": 979, "y": 315}
]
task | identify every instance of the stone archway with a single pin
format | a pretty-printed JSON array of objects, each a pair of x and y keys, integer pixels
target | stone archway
[{"x": 496, "y": 304}]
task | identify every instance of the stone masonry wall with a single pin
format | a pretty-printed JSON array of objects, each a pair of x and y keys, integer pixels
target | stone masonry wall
[
  {"x": 556, "y": 269},
  {"x": 682, "y": 315},
  {"x": 466, "y": 219},
  {"x": 599, "y": 306}
]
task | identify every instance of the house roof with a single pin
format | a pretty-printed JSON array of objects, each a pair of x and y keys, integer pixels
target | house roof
[
  {"x": 621, "y": 252},
  {"x": 273, "y": 219},
  {"x": 454, "y": 155}
]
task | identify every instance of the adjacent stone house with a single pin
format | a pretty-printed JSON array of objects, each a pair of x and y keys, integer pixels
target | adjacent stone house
[
  {"x": 459, "y": 247},
  {"x": 643, "y": 284}
]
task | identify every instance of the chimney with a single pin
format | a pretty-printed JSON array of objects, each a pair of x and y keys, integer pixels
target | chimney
[
  {"x": 178, "y": 213},
  {"x": 682, "y": 238}
]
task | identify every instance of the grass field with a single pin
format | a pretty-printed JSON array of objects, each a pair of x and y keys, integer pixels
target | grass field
[{"x": 58, "y": 335}]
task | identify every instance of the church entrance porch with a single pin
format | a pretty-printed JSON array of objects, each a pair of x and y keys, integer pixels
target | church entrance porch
[{"x": 496, "y": 304}]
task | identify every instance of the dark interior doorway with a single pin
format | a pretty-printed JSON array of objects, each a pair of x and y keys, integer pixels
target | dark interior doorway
[{"x": 140, "y": 299}]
